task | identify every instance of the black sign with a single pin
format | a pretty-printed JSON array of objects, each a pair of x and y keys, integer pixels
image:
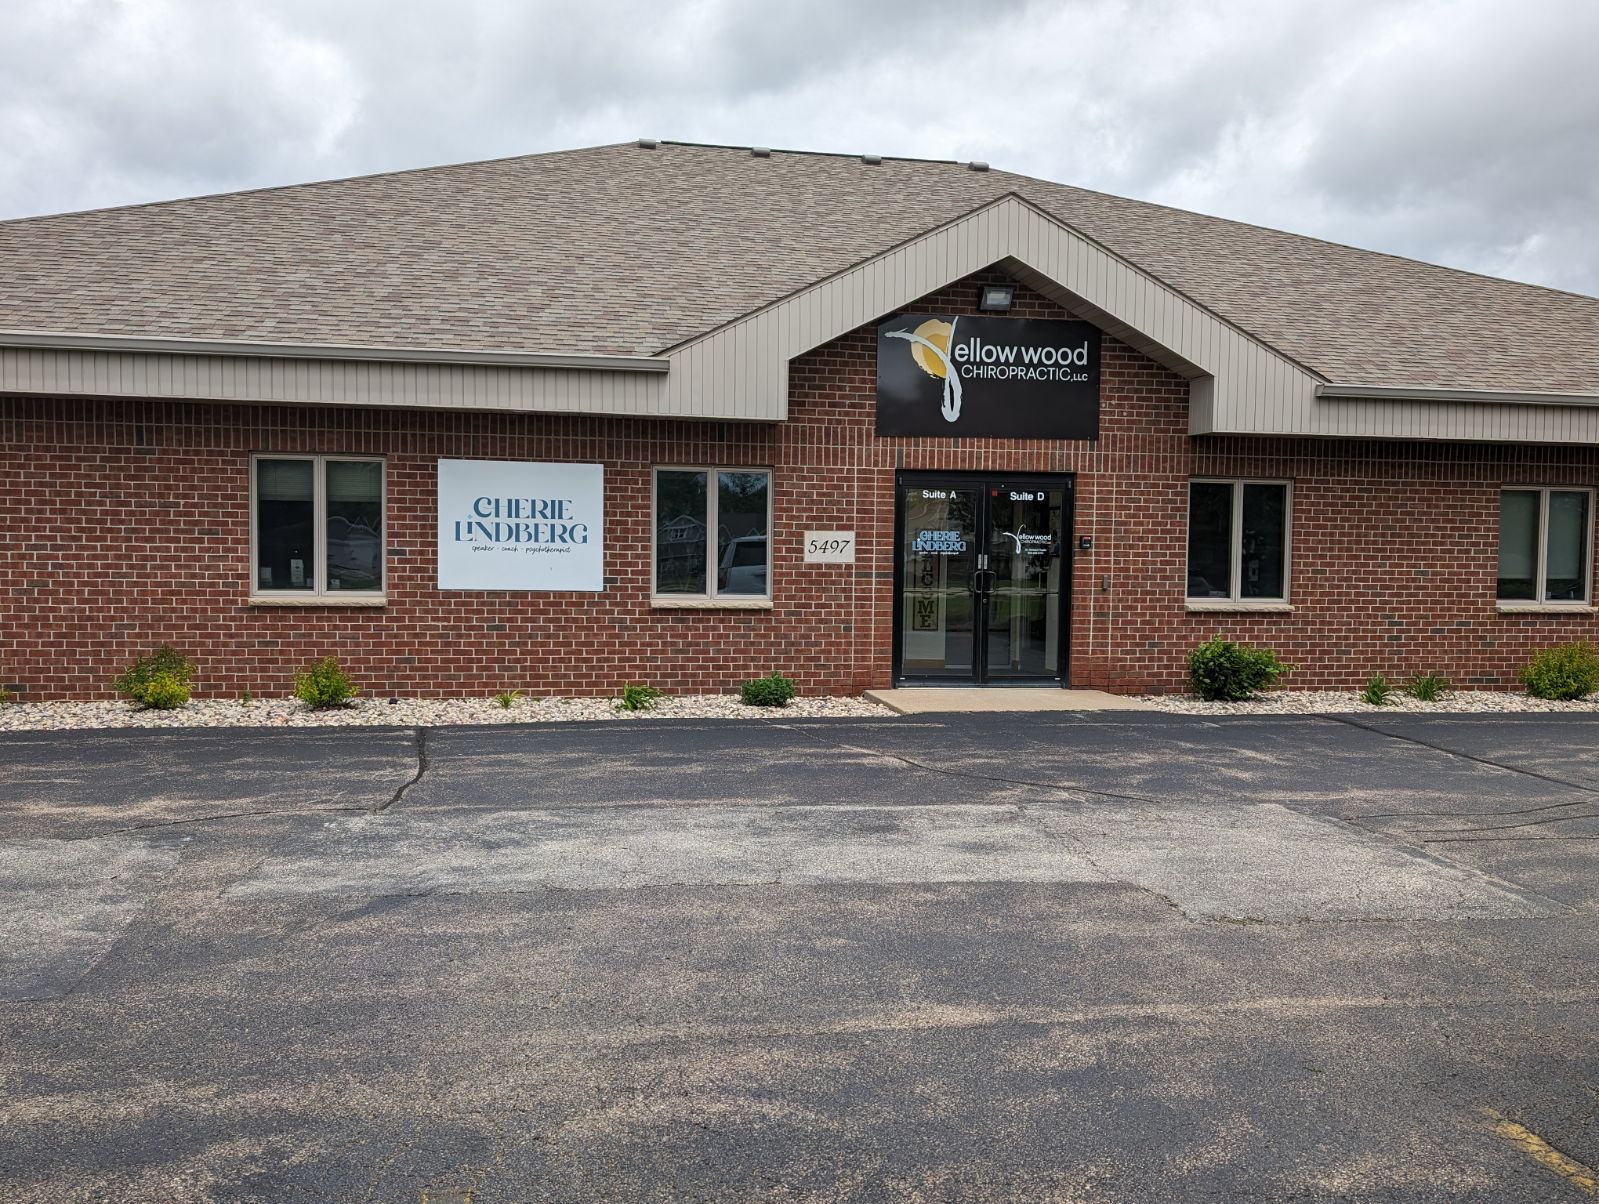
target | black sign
[{"x": 997, "y": 378}]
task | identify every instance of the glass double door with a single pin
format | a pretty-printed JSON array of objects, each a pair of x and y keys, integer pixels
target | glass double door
[{"x": 984, "y": 570}]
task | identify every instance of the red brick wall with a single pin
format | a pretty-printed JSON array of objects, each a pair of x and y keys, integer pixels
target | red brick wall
[{"x": 125, "y": 523}]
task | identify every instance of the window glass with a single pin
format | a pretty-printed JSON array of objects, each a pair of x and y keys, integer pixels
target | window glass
[
  {"x": 355, "y": 525},
  {"x": 285, "y": 520},
  {"x": 1265, "y": 529},
  {"x": 680, "y": 532},
  {"x": 1210, "y": 528},
  {"x": 1566, "y": 568},
  {"x": 741, "y": 534},
  {"x": 1518, "y": 544}
]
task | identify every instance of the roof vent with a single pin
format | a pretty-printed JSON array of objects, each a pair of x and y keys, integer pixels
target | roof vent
[
  {"x": 761, "y": 152},
  {"x": 871, "y": 160},
  {"x": 977, "y": 165},
  {"x": 648, "y": 143}
]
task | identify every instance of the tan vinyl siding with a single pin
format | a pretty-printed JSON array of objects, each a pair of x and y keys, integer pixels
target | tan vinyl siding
[
  {"x": 331, "y": 382},
  {"x": 743, "y": 366}
]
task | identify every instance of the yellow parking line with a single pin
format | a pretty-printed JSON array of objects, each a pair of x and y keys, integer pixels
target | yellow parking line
[{"x": 1584, "y": 1178}]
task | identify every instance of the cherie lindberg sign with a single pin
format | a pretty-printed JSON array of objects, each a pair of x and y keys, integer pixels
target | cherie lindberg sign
[
  {"x": 509, "y": 524},
  {"x": 999, "y": 378}
]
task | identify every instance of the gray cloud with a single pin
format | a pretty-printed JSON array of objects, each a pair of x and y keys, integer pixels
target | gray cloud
[{"x": 1449, "y": 131}]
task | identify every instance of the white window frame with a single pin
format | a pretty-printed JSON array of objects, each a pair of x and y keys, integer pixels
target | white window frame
[
  {"x": 712, "y": 554},
  {"x": 1540, "y": 579},
  {"x": 319, "y": 531},
  {"x": 1234, "y": 599}
]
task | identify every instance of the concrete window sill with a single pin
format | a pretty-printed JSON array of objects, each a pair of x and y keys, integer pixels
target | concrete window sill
[
  {"x": 711, "y": 603},
  {"x": 1213, "y": 605},
  {"x": 323, "y": 600},
  {"x": 1545, "y": 608}
]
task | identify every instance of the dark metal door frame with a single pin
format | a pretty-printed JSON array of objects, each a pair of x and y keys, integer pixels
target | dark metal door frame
[{"x": 982, "y": 482}]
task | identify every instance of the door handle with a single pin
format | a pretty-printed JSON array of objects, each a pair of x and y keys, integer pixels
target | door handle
[{"x": 982, "y": 582}]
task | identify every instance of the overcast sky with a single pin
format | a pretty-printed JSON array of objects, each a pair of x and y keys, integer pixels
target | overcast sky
[{"x": 1460, "y": 131}]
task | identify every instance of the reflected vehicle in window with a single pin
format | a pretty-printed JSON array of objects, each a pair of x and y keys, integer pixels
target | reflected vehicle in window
[{"x": 743, "y": 567}]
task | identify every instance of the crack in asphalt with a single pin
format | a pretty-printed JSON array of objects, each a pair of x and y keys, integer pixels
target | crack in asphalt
[
  {"x": 1528, "y": 823},
  {"x": 1464, "y": 756},
  {"x": 1485, "y": 839},
  {"x": 422, "y": 763},
  {"x": 1475, "y": 833}
]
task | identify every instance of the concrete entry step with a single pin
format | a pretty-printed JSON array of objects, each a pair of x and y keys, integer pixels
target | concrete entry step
[{"x": 935, "y": 701}]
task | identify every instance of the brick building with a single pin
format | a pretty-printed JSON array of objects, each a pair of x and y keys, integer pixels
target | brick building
[{"x": 684, "y": 415}]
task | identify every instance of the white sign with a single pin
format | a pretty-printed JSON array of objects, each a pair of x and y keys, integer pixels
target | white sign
[
  {"x": 829, "y": 547},
  {"x": 512, "y": 524}
]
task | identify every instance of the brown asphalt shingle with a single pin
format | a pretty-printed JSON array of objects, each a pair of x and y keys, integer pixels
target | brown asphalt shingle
[{"x": 620, "y": 250}]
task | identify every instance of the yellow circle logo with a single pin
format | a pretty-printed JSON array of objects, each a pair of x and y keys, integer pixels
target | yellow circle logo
[{"x": 937, "y": 333}]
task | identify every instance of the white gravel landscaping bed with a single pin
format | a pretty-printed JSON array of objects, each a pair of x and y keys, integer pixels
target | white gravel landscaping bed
[
  {"x": 411, "y": 712},
  {"x": 1343, "y": 702}
]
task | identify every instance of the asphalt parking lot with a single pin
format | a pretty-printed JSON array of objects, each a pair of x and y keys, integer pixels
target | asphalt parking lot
[{"x": 1113, "y": 957}]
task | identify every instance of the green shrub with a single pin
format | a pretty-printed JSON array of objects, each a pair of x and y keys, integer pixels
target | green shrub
[
  {"x": 638, "y": 698},
  {"x": 154, "y": 676},
  {"x": 507, "y": 698},
  {"x": 1379, "y": 691},
  {"x": 1428, "y": 687},
  {"x": 1222, "y": 671},
  {"x": 6, "y": 696},
  {"x": 164, "y": 692},
  {"x": 324, "y": 685},
  {"x": 773, "y": 690},
  {"x": 1565, "y": 672}
]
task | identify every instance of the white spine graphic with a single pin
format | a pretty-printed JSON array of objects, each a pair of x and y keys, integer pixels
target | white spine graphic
[{"x": 951, "y": 409}]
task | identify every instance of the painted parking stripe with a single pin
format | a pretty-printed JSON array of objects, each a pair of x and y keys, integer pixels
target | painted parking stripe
[{"x": 1584, "y": 1178}]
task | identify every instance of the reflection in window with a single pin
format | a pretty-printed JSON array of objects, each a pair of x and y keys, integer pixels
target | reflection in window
[
  {"x": 680, "y": 532},
  {"x": 355, "y": 525},
  {"x": 1238, "y": 540},
  {"x": 318, "y": 525},
  {"x": 741, "y": 535},
  {"x": 689, "y": 560},
  {"x": 1544, "y": 540}
]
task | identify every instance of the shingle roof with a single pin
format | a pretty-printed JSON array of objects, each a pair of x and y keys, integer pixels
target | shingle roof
[{"x": 622, "y": 250}]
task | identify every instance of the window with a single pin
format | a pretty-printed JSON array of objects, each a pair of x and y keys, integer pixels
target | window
[
  {"x": 1238, "y": 541},
  {"x": 1544, "y": 537},
  {"x": 713, "y": 532},
  {"x": 316, "y": 527}
]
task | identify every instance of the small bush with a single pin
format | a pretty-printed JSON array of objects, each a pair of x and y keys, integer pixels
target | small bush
[
  {"x": 164, "y": 692},
  {"x": 324, "y": 685},
  {"x": 1566, "y": 672},
  {"x": 1379, "y": 691},
  {"x": 154, "y": 676},
  {"x": 1222, "y": 671},
  {"x": 6, "y": 696},
  {"x": 773, "y": 690},
  {"x": 638, "y": 698},
  {"x": 1428, "y": 687},
  {"x": 246, "y": 697},
  {"x": 507, "y": 698}
]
